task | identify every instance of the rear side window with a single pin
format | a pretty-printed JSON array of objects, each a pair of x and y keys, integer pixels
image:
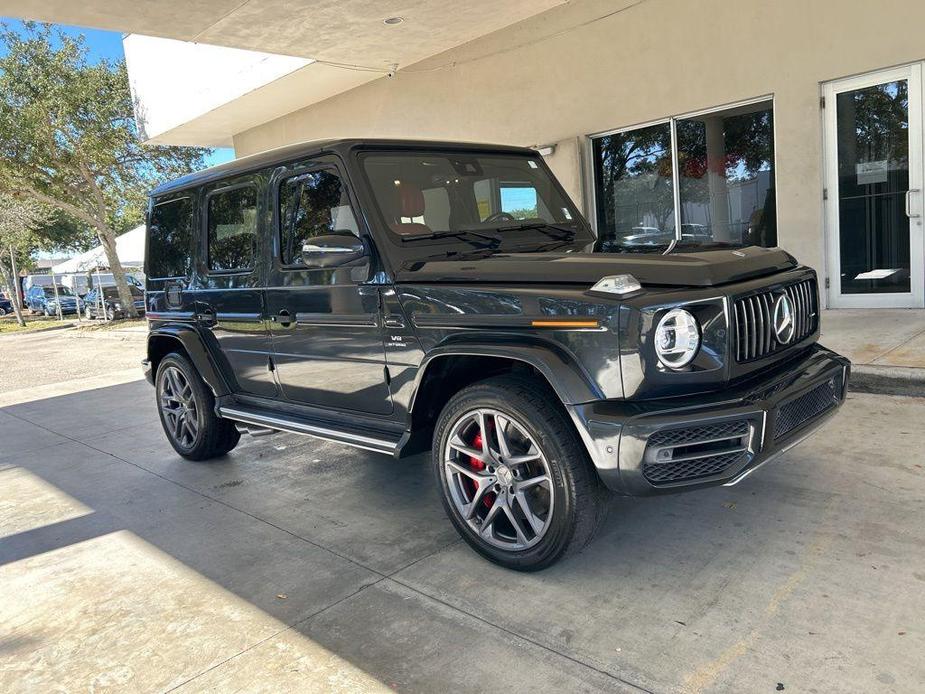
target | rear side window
[
  {"x": 312, "y": 204},
  {"x": 232, "y": 227},
  {"x": 170, "y": 239}
]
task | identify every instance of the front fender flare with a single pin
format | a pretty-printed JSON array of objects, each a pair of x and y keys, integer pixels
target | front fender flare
[{"x": 570, "y": 382}]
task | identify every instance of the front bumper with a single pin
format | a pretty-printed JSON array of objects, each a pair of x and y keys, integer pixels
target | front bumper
[{"x": 664, "y": 446}]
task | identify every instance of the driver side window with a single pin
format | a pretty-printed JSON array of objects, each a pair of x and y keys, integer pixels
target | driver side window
[{"x": 312, "y": 204}]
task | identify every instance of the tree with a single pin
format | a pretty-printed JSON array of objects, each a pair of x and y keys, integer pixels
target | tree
[
  {"x": 20, "y": 218},
  {"x": 69, "y": 141}
]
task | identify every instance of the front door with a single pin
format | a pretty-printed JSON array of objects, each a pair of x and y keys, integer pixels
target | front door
[
  {"x": 874, "y": 202},
  {"x": 327, "y": 340}
]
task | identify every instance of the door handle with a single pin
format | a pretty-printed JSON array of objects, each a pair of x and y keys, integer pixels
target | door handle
[
  {"x": 284, "y": 318},
  {"x": 909, "y": 212}
]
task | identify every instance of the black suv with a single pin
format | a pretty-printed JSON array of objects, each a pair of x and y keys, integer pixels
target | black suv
[
  {"x": 105, "y": 303},
  {"x": 404, "y": 296}
]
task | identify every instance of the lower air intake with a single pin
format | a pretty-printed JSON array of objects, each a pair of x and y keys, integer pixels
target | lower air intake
[
  {"x": 799, "y": 411},
  {"x": 691, "y": 453}
]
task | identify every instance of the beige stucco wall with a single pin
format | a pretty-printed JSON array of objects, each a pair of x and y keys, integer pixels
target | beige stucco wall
[{"x": 654, "y": 59}]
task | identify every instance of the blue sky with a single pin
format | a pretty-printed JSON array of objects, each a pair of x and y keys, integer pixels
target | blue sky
[{"x": 108, "y": 45}]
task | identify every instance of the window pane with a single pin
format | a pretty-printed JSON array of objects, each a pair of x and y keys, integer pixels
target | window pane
[
  {"x": 726, "y": 176},
  {"x": 635, "y": 198},
  {"x": 439, "y": 192},
  {"x": 170, "y": 239},
  {"x": 312, "y": 204},
  {"x": 232, "y": 220},
  {"x": 873, "y": 177}
]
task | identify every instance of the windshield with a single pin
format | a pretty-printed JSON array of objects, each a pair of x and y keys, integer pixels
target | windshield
[
  {"x": 113, "y": 293},
  {"x": 62, "y": 291},
  {"x": 480, "y": 198}
]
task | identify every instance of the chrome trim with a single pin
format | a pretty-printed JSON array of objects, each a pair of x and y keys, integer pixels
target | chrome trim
[
  {"x": 368, "y": 443},
  {"x": 171, "y": 315},
  {"x": 239, "y": 317}
]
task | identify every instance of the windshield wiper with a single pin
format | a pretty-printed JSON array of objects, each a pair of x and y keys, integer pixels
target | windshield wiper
[
  {"x": 558, "y": 232},
  {"x": 459, "y": 234}
]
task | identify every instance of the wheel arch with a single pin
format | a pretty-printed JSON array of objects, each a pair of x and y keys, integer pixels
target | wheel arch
[
  {"x": 187, "y": 341},
  {"x": 446, "y": 371}
]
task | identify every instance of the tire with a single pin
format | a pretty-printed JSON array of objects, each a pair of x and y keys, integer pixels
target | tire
[
  {"x": 569, "y": 503},
  {"x": 87, "y": 313},
  {"x": 2, "y": 311},
  {"x": 182, "y": 395},
  {"x": 47, "y": 313}
]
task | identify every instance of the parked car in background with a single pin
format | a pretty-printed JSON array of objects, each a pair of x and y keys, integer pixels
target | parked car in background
[
  {"x": 6, "y": 306},
  {"x": 43, "y": 300},
  {"x": 105, "y": 303}
]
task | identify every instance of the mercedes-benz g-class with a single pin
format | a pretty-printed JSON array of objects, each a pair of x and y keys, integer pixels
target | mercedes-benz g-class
[{"x": 404, "y": 296}]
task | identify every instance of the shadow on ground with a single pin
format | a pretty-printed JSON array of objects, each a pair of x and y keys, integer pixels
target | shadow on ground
[{"x": 293, "y": 561}]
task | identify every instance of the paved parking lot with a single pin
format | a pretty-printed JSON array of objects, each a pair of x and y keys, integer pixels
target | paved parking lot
[{"x": 294, "y": 564}]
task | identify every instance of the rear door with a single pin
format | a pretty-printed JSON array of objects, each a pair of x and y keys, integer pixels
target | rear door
[
  {"x": 326, "y": 334},
  {"x": 228, "y": 299}
]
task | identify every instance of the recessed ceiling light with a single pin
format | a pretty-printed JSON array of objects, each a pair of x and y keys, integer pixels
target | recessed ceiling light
[{"x": 393, "y": 20}]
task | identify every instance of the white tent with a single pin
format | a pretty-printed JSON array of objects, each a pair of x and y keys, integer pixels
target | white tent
[{"x": 130, "y": 247}]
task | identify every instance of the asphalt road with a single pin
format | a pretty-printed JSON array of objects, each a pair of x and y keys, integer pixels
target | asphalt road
[{"x": 298, "y": 565}]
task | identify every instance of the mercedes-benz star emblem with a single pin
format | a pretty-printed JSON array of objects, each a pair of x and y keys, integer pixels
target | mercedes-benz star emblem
[{"x": 783, "y": 319}]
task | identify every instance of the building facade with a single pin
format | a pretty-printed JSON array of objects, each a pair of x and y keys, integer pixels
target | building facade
[{"x": 795, "y": 123}]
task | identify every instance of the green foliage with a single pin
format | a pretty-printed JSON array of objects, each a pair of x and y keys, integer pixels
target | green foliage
[{"x": 68, "y": 135}]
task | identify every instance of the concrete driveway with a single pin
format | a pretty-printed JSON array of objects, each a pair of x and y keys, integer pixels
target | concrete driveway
[{"x": 298, "y": 565}]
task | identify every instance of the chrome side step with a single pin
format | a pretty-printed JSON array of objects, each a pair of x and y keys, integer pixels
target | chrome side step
[{"x": 278, "y": 422}]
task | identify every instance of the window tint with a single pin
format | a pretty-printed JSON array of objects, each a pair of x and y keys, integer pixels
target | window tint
[
  {"x": 170, "y": 239},
  {"x": 419, "y": 193},
  {"x": 232, "y": 226},
  {"x": 312, "y": 204}
]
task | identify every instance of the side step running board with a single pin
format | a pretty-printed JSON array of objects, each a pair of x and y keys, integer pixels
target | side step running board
[{"x": 298, "y": 425}]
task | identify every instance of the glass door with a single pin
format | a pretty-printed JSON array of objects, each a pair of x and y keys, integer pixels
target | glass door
[{"x": 873, "y": 137}]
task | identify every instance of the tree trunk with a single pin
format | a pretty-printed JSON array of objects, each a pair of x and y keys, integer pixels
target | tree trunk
[
  {"x": 108, "y": 239},
  {"x": 9, "y": 286}
]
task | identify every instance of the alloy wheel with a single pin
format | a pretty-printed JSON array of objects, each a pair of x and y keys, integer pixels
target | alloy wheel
[
  {"x": 499, "y": 480},
  {"x": 178, "y": 404}
]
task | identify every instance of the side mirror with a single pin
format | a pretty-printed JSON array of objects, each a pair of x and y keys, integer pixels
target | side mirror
[{"x": 332, "y": 250}]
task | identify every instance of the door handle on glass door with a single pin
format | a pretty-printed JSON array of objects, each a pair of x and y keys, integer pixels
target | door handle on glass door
[{"x": 909, "y": 212}]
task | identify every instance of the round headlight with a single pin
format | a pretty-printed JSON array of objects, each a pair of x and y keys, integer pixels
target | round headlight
[{"x": 677, "y": 338}]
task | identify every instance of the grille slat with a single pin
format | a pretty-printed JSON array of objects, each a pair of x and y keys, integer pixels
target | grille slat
[{"x": 755, "y": 336}]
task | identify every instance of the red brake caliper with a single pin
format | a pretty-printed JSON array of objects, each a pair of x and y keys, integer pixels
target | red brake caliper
[{"x": 478, "y": 465}]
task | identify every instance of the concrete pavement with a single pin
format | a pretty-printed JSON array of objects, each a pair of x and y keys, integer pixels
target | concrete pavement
[
  {"x": 886, "y": 347},
  {"x": 294, "y": 564}
]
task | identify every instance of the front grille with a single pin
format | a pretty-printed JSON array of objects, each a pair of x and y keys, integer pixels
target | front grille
[
  {"x": 755, "y": 336},
  {"x": 689, "y": 453},
  {"x": 794, "y": 414}
]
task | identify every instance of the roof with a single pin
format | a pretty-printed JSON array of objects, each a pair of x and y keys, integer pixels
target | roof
[{"x": 287, "y": 153}]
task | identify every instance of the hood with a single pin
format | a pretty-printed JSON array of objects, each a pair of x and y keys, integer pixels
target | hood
[{"x": 688, "y": 268}]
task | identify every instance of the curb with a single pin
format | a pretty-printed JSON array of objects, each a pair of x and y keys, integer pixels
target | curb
[
  {"x": 37, "y": 330},
  {"x": 887, "y": 380}
]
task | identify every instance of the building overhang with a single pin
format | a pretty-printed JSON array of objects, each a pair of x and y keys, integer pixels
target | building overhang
[{"x": 219, "y": 67}]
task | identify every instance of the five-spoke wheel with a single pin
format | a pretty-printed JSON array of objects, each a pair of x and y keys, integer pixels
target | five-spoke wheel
[
  {"x": 498, "y": 479},
  {"x": 516, "y": 481},
  {"x": 179, "y": 406},
  {"x": 187, "y": 411}
]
